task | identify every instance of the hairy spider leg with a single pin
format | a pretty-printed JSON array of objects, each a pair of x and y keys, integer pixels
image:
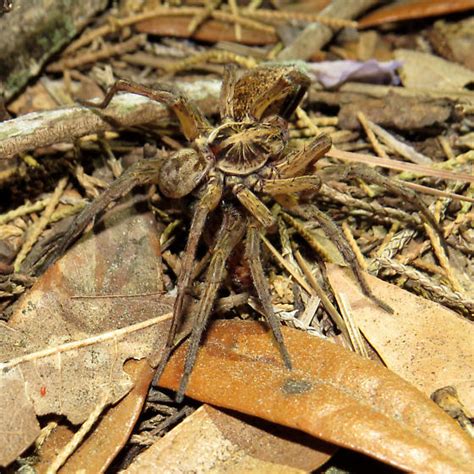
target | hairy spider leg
[
  {"x": 372, "y": 176},
  {"x": 208, "y": 202},
  {"x": 141, "y": 173},
  {"x": 310, "y": 212},
  {"x": 290, "y": 185},
  {"x": 191, "y": 119},
  {"x": 230, "y": 234},
  {"x": 296, "y": 162},
  {"x": 252, "y": 251},
  {"x": 226, "y": 109},
  {"x": 254, "y": 205}
]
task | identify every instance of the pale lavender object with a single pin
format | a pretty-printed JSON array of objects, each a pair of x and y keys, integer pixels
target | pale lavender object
[{"x": 334, "y": 73}]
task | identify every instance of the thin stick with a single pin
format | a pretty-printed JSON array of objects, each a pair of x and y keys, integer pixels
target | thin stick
[
  {"x": 70, "y": 346},
  {"x": 79, "y": 436},
  {"x": 399, "y": 165},
  {"x": 371, "y": 136},
  {"x": 40, "y": 225},
  {"x": 328, "y": 306}
]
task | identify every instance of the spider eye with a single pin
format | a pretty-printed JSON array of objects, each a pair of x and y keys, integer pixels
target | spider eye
[{"x": 181, "y": 173}]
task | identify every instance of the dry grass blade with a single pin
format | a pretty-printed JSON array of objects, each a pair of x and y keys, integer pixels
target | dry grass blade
[
  {"x": 399, "y": 165},
  {"x": 331, "y": 393}
]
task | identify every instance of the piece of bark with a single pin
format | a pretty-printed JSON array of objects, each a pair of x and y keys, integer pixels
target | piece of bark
[
  {"x": 35, "y": 30},
  {"x": 316, "y": 35},
  {"x": 432, "y": 71},
  {"x": 392, "y": 110},
  {"x": 454, "y": 41}
]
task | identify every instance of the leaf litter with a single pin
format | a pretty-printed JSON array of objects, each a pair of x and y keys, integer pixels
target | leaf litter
[
  {"x": 415, "y": 111},
  {"x": 66, "y": 343}
]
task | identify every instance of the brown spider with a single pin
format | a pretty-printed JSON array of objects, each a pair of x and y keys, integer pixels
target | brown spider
[{"x": 229, "y": 167}]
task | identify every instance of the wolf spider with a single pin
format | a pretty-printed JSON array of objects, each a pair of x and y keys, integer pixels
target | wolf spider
[{"x": 228, "y": 168}]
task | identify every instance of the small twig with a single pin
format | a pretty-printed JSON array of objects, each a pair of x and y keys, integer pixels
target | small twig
[
  {"x": 303, "y": 117},
  {"x": 355, "y": 248},
  {"x": 399, "y": 147},
  {"x": 354, "y": 333},
  {"x": 399, "y": 166},
  {"x": 285, "y": 15},
  {"x": 370, "y": 135},
  {"x": 92, "y": 57},
  {"x": 220, "y": 57},
  {"x": 308, "y": 236},
  {"x": 41, "y": 224},
  {"x": 372, "y": 208},
  {"x": 23, "y": 211},
  {"x": 442, "y": 293},
  {"x": 79, "y": 436},
  {"x": 205, "y": 13},
  {"x": 291, "y": 269},
  {"x": 116, "y": 334},
  {"x": 328, "y": 306}
]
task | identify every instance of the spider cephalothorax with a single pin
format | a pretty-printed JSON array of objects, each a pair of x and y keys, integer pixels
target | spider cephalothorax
[{"x": 229, "y": 168}]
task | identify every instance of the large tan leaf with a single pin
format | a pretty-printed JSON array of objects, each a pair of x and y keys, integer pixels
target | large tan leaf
[
  {"x": 423, "y": 342},
  {"x": 62, "y": 354},
  {"x": 212, "y": 440},
  {"x": 331, "y": 393}
]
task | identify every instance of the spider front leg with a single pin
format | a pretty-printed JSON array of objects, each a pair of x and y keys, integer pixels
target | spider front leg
[
  {"x": 192, "y": 121},
  {"x": 297, "y": 161},
  {"x": 226, "y": 108},
  {"x": 208, "y": 202},
  {"x": 252, "y": 252},
  {"x": 287, "y": 91},
  {"x": 290, "y": 185},
  {"x": 230, "y": 234}
]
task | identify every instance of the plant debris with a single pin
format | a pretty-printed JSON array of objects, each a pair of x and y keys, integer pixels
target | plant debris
[{"x": 77, "y": 337}]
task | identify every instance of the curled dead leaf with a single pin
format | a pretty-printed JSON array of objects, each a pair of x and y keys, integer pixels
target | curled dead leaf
[{"x": 331, "y": 394}]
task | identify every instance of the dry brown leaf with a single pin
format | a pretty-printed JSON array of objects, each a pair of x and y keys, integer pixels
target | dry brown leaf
[
  {"x": 60, "y": 354},
  {"x": 409, "y": 9},
  {"x": 331, "y": 393},
  {"x": 211, "y": 439},
  {"x": 99, "y": 449},
  {"x": 431, "y": 72},
  {"x": 423, "y": 342}
]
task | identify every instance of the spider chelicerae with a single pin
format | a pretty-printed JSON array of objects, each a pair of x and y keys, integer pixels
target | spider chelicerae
[{"x": 229, "y": 168}]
